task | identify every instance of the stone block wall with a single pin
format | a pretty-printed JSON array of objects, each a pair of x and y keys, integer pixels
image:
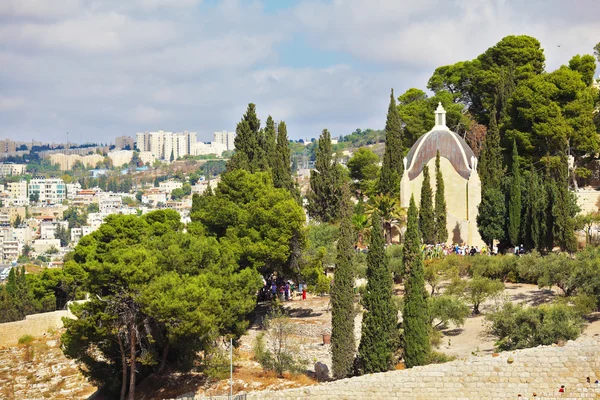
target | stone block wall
[
  {"x": 541, "y": 370},
  {"x": 35, "y": 325}
]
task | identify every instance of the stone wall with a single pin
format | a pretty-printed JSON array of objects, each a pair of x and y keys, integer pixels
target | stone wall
[
  {"x": 541, "y": 370},
  {"x": 34, "y": 324}
]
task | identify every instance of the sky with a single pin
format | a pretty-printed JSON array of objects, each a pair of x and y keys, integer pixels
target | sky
[{"x": 105, "y": 68}]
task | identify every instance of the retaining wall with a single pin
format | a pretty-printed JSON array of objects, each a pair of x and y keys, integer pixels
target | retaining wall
[{"x": 34, "y": 324}]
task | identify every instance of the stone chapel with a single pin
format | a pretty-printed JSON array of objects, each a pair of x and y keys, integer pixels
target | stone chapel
[{"x": 462, "y": 187}]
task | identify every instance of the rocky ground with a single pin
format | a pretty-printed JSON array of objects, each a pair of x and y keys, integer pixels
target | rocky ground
[{"x": 39, "y": 370}]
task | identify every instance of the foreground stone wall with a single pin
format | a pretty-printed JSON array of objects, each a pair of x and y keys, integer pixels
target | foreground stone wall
[
  {"x": 35, "y": 325},
  {"x": 541, "y": 370}
]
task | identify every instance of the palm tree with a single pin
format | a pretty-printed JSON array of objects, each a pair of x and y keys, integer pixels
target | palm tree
[
  {"x": 361, "y": 225},
  {"x": 390, "y": 212}
]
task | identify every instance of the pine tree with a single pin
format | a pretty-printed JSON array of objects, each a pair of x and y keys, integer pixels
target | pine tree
[
  {"x": 282, "y": 170},
  {"x": 514, "y": 200},
  {"x": 416, "y": 315},
  {"x": 248, "y": 153},
  {"x": 343, "y": 346},
  {"x": 325, "y": 183},
  {"x": 379, "y": 337},
  {"x": 441, "y": 230},
  {"x": 393, "y": 166},
  {"x": 491, "y": 215},
  {"x": 426, "y": 215}
]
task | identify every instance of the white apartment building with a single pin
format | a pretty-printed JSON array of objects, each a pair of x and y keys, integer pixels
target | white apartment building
[
  {"x": 17, "y": 190},
  {"x": 109, "y": 203},
  {"x": 226, "y": 138},
  {"x": 72, "y": 189},
  {"x": 210, "y": 148},
  {"x": 169, "y": 186},
  {"x": 7, "y": 169},
  {"x": 147, "y": 157},
  {"x": 163, "y": 145},
  {"x": 50, "y": 191},
  {"x": 48, "y": 228},
  {"x": 120, "y": 157},
  {"x": 11, "y": 250}
]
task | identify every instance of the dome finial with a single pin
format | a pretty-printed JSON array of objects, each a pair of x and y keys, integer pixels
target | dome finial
[{"x": 440, "y": 117}]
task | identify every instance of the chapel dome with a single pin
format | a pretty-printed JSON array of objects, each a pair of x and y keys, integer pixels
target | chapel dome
[{"x": 450, "y": 145}]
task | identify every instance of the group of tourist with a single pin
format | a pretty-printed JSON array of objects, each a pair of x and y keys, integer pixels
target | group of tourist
[
  {"x": 278, "y": 288},
  {"x": 442, "y": 249}
]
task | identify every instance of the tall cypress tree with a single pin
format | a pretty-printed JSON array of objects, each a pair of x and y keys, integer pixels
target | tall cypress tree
[
  {"x": 248, "y": 153},
  {"x": 282, "y": 170},
  {"x": 491, "y": 213},
  {"x": 393, "y": 166},
  {"x": 343, "y": 346},
  {"x": 426, "y": 215},
  {"x": 534, "y": 226},
  {"x": 564, "y": 208},
  {"x": 268, "y": 143},
  {"x": 514, "y": 200},
  {"x": 325, "y": 183},
  {"x": 416, "y": 312},
  {"x": 441, "y": 230},
  {"x": 379, "y": 337}
]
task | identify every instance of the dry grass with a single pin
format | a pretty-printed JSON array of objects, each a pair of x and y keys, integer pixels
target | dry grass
[{"x": 68, "y": 371}]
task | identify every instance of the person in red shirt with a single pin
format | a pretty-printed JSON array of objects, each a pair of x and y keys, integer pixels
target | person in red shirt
[
  {"x": 562, "y": 389},
  {"x": 303, "y": 293}
]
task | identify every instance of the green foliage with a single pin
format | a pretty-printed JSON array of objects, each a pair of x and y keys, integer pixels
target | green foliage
[
  {"x": 248, "y": 154},
  {"x": 514, "y": 200},
  {"x": 416, "y": 319},
  {"x": 26, "y": 339},
  {"x": 281, "y": 356},
  {"x": 585, "y": 65},
  {"x": 262, "y": 225},
  {"x": 440, "y": 212},
  {"x": 564, "y": 209},
  {"x": 535, "y": 201},
  {"x": 326, "y": 182},
  {"x": 476, "y": 290},
  {"x": 75, "y": 217},
  {"x": 426, "y": 212},
  {"x": 395, "y": 254},
  {"x": 393, "y": 167},
  {"x": 363, "y": 169},
  {"x": 25, "y": 294},
  {"x": 144, "y": 274},
  {"x": 498, "y": 268},
  {"x": 281, "y": 168},
  {"x": 444, "y": 309},
  {"x": 64, "y": 235},
  {"x": 343, "y": 345},
  {"x": 519, "y": 327},
  {"x": 490, "y": 215},
  {"x": 379, "y": 338}
]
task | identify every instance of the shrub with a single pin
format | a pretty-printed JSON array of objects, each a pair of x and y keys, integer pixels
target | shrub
[
  {"x": 499, "y": 267},
  {"x": 437, "y": 357},
  {"x": 26, "y": 339},
  {"x": 476, "y": 290},
  {"x": 280, "y": 357},
  {"x": 519, "y": 327}
]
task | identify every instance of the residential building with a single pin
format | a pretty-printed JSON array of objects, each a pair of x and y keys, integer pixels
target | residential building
[
  {"x": 109, "y": 203},
  {"x": 120, "y": 157},
  {"x": 72, "y": 189},
  {"x": 4, "y": 219},
  {"x": 85, "y": 198},
  {"x": 154, "y": 196},
  {"x": 18, "y": 190},
  {"x": 8, "y": 146},
  {"x": 9, "y": 169},
  {"x": 169, "y": 186},
  {"x": 163, "y": 145},
  {"x": 226, "y": 138},
  {"x": 147, "y": 157},
  {"x": 11, "y": 250},
  {"x": 67, "y": 161},
  {"x": 40, "y": 246},
  {"x": 124, "y": 143},
  {"x": 49, "y": 190},
  {"x": 210, "y": 148}
]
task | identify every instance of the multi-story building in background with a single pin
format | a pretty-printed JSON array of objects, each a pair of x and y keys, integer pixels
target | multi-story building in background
[
  {"x": 226, "y": 138},
  {"x": 8, "y": 146},
  {"x": 124, "y": 143},
  {"x": 18, "y": 190},
  {"x": 49, "y": 190},
  {"x": 163, "y": 145},
  {"x": 8, "y": 169},
  {"x": 209, "y": 148},
  {"x": 67, "y": 161}
]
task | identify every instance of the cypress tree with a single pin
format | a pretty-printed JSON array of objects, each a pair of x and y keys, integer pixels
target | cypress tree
[
  {"x": 343, "y": 346},
  {"x": 325, "y": 183},
  {"x": 491, "y": 212},
  {"x": 248, "y": 153},
  {"x": 426, "y": 215},
  {"x": 441, "y": 230},
  {"x": 534, "y": 226},
  {"x": 416, "y": 312},
  {"x": 393, "y": 166},
  {"x": 379, "y": 337},
  {"x": 172, "y": 158},
  {"x": 270, "y": 143},
  {"x": 282, "y": 170},
  {"x": 564, "y": 208},
  {"x": 514, "y": 200}
]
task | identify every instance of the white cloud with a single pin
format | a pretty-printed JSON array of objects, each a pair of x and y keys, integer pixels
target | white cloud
[
  {"x": 38, "y": 9},
  {"x": 143, "y": 114},
  {"x": 11, "y": 103}
]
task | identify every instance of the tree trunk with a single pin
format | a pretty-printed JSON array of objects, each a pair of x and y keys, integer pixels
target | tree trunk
[
  {"x": 132, "y": 352},
  {"x": 124, "y": 368},
  {"x": 163, "y": 362}
]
